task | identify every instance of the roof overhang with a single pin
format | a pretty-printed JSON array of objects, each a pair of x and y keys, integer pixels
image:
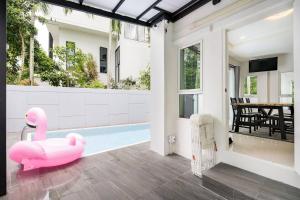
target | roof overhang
[{"x": 145, "y": 12}]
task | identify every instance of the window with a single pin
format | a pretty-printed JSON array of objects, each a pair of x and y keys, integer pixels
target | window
[
  {"x": 250, "y": 85},
  {"x": 134, "y": 32},
  {"x": 130, "y": 31},
  {"x": 188, "y": 105},
  {"x": 287, "y": 87},
  {"x": 190, "y": 80},
  {"x": 117, "y": 64},
  {"x": 50, "y": 46},
  {"x": 103, "y": 60},
  {"x": 70, "y": 50},
  {"x": 141, "y": 33}
]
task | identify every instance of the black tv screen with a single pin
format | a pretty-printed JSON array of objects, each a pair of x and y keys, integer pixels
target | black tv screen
[{"x": 260, "y": 65}]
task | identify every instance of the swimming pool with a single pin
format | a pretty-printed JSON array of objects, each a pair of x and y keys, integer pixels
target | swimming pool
[{"x": 100, "y": 139}]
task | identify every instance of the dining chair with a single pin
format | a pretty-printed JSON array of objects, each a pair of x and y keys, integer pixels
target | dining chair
[
  {"x": 244, "y": 117},
  {"x": 289, "y": 123}
]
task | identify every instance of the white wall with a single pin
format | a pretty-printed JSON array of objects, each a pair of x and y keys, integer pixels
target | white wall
[
  {"x": 211, "y": 100},
  {"x": 135, "y": 56},
  {"x": 158, "y": 85},
  {"x": 297, "y": 82},
  {"x": 171, "y": 92},
  {"x": 78, "y": 18},
  {"x": 203, "y": 25},
  {"x": 268, "y": 83},
  {"x": 87, "y": 42},
  {"x": 77, "y": 107}
]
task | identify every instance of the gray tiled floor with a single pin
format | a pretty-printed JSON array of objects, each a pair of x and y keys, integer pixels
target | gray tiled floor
[
  {"x": 130, "y": 173},
  {"x": 237, "y": 184}
]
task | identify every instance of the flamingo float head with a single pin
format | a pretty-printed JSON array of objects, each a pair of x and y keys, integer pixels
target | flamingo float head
[{"x": 36, "y": 118}]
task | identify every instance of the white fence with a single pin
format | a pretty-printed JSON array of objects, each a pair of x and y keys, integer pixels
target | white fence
[{"x": 77, "y": 107}]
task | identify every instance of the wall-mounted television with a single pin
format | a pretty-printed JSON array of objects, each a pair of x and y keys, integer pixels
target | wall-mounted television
[{"x": 265, "y": 64}]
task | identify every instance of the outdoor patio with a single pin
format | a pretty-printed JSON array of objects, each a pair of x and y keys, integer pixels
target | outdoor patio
[
  {"x": 130, "y": 173},
  {"x": 132, "y": 133}
]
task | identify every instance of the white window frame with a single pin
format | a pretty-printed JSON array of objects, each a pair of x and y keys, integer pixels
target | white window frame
[{"x": 189, "y": 91}]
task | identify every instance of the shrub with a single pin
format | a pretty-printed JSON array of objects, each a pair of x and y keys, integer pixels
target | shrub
[
  {"x": 91, "y": 68},
  {"x": 95, "y": 84},
  {"x": 111, "y": 83},
  {"x": 145, "y": 78},
  {"x": 26, "y": 82},
  {"x": 127, "y": 84},
  {"x": 59, "y": 78}
]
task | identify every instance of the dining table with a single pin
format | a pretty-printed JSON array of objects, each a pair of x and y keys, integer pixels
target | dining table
[{"x": 266, "y": 110}]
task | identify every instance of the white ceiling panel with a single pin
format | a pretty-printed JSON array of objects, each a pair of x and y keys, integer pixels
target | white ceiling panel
[
  {"x": 102, "y": 4},
  {"x": 149, "y": 14},
  {"x": 134, "y": 8},
  {"x": 172, "y": 5},
  {"x": 261, "y": 38}
]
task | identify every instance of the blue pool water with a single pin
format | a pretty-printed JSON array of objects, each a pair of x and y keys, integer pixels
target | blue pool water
[{"x": 105, "y": 138}]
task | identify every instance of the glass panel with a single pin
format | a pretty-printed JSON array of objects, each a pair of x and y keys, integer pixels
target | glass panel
[
  {"x": 130, "y": 31},
  {"x": 287, "y": 83},
  {"x": 188, "y": 105},
  {"x": 141, "y": 33},
  {"x": 103, "y": 60},
  {"x": 250, "y": 85},
  {"x": 147, "y": 34},
  {"x": 190, "y": 67},
  {"x": 253, "y": 85}
]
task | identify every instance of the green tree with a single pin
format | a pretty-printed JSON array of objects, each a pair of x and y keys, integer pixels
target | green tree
[
  {"x": 19, "y": 30},
  {"x": 20, "y": 37}
]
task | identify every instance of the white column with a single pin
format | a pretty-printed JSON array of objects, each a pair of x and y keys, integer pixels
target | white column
[
  {"x": 157, "y": 99},
  {"x": 296, "y": 19}
]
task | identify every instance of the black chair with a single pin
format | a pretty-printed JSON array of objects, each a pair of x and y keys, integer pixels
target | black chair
[
  {"x": 250, "y": 110},
  {"x": 289, "y": 123},
  {"x": 256, "y": 112},
  {"x": 244, "y": 117}
]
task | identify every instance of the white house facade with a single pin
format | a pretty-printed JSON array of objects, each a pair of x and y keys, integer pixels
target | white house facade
[{"x": 92, "y": 34}]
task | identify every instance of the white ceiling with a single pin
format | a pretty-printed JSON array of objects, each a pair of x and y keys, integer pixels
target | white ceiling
[
  {"x": 133, "y": 8},
  {"x": 172, "y": 5},
  {"x": 102, "y": 4},
  {"x": 262, "y": 38}
]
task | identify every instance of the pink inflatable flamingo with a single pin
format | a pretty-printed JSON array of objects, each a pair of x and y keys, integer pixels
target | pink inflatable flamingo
[{"x": 44, "y": 152}]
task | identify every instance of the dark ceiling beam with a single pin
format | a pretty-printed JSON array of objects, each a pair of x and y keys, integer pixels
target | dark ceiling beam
[
  {"x": 149, "y": 8},
  {"x": 96, "y": 11},
  {"x": 117, "y": 6},
  {"x": 188, "y": 8},
  {"x": 215, "y": 2}
]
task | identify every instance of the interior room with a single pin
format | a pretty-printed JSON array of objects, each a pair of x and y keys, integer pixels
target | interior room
[{"x": 261, "y": 85}]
